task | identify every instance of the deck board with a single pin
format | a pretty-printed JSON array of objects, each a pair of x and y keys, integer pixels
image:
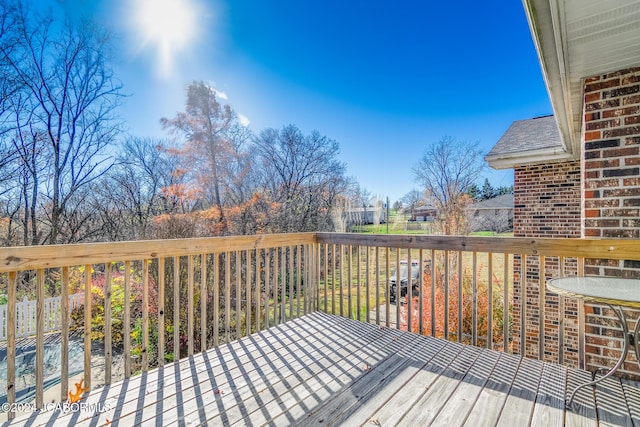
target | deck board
[
  {"x": 387, "y": 388},
  {"x": 549, "y": 408},
  {"x": 583, "y": 411},
  {"x": 463, "y": 400},
  {"x": 425, "y": 409},
  {"x": 518, "y": 408},
  {"x": 611, "y": 404},
  {"x": 327, "y": 370},
  {"x": 489, "y": 404},
  {"x": 405, "y": 397},
  {"x": 632, "y": 394}
]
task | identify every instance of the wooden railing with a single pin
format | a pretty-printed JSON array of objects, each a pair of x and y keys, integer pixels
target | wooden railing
[
  {"x": 156, "y": 301},
  {"x": 485, "y": 291}
]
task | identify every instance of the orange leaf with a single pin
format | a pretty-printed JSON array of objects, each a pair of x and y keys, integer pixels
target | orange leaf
[{"x": 75, "y": 397}]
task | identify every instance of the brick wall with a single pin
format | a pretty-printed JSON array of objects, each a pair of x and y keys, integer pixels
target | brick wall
[
  {"x": 547, "y": 203},
  {"x": 611, "y": 196}
]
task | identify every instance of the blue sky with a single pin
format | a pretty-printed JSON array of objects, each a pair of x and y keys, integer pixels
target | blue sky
[{"x": 384, "y": 79}]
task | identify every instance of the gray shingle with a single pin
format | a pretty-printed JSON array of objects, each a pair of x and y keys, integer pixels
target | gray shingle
[{"x": 528, "y": 135}]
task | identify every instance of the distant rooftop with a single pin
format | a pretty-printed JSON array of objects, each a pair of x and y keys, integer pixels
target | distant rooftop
[
  {"x": 534, "y": 140},
  {"x": 504, "y": 201}
]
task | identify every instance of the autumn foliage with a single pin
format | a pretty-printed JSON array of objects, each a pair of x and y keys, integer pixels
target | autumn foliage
[{"x": 454, "y": 317}]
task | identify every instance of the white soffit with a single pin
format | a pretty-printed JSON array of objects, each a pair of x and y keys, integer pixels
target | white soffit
[{"x": 577, "y": 39}]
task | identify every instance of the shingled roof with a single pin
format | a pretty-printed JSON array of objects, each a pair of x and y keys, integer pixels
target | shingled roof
[{"x": 528, "y": 141}]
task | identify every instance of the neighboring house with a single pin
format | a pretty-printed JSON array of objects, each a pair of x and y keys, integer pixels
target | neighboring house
[
  {"x": 423, "y": 213},
  {"x": 495, "y": 214},
  {"x": 362, "y": 216},
  {"x": 577, "y": 173}
]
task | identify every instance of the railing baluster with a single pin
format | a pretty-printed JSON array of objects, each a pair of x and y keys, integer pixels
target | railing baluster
[
  {"x": 420, "y": 295},
  {"x": 247, "y": 322},
  {"x": 446, "y": 295},
  {"x": 307, "y": 277},
  {"x": 190, "y": 305},
  {"x": 561, "y": 314},
  {"x": 64, "y": 336},
  {"x": 238, "y": 294},
  {"x": 377, "y": 273},
  {"x": 326, "y": 277},
  {"x": 11, "y": 342},
  {"x": 582, "y": 361},
  {"x": 291, "y": 281},
  {"x": 126, "y": 319},
  {"x": 87, "y": 331},
  {"x": 506, "y": 310},
  {"x": 258, "y": 289},
  {"x": 267, "y": 288},
  {"x": 408, "y": 298},
  {"x": 433, "y": 292},
  {"x": 474, "y": 300},
  {"x": 460, "y": 296},
  {"x": 107, "y": 323},
  {"x": 215, "y": 264},
  {"x": 227, "y": 296},
  {"x": 359, "y": 267},
  {"x": 276, "y": 285},
  {"x": 176, "y": 308},
  {"x": 145, "y": 315},
  {"x": 258, "y": 253},
  {"x": 387, "y": 287},
  {"x": 490, "y": 301},
  {"x": 523, "y": 303},
  {"x": 203, "y": 303},
  {"x": 541, "y": 306},
  {"x": 161, "y": 314},
  {"x": 310, "y": 277},
  {"x": 398, "y": 287},
  {"x": 350, "y": 261},
  {"x": 282, "y": 280},
  {"x": 307, "y": 260},
  {"x": 367, "y": 285},
  {"x": 338, "y": 259},
  {"x": 316, "y": 275},
  {"x": 299, "y": 282},
  {"x": 333, "y": 282}
]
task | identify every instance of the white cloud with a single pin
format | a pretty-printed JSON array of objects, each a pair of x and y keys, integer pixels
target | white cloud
[
  {"x": 221, "y": 94},
  {"x": 244, "y": 120}
]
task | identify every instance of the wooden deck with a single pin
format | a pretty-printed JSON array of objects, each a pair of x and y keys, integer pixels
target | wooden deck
[{"x": 327, "y": 370}]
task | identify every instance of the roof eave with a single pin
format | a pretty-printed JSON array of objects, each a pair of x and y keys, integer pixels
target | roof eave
[
  {"x": 549, "y": 35},
  {"x": 509, "y": 161}
]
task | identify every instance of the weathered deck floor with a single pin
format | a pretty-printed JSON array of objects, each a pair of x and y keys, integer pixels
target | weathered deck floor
[{"x": 326, "y": 370}]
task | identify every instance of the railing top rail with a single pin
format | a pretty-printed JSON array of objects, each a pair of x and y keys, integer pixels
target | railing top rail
[
  {"x": 53, "y": 256},
  {"x": 621, "y": 249}
]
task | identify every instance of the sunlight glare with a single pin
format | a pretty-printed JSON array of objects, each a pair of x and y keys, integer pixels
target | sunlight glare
[{"x": 167, "y": 24}]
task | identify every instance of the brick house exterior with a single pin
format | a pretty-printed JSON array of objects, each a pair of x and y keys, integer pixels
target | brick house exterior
[
  {"x": 611, "y": 174},
  {"x": 577, "y": 174}
]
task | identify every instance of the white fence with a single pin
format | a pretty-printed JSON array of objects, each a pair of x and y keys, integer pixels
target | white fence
[{"x": 26, "y": 315}]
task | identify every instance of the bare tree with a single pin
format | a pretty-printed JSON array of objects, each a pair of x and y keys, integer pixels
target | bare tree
[
  {"x": 9, "y": 41},
  {"x": 62, "y": 115},
  {"x": 302, "y": 174},
  {"x": 132, "y": 194},
  {"x": 411, "y": 200},
  {"x": 447, "y": 169}
]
